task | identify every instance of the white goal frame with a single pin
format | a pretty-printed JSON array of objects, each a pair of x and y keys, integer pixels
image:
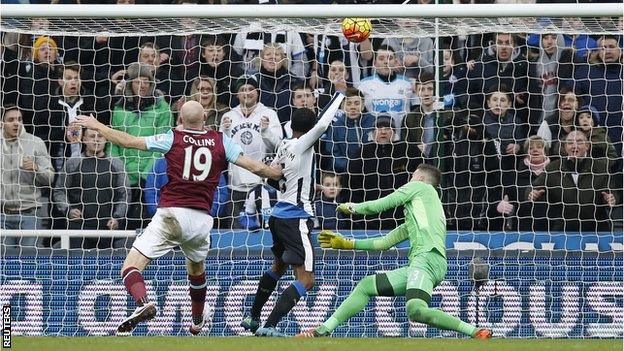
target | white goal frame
[{"x": 311, "y": 11}]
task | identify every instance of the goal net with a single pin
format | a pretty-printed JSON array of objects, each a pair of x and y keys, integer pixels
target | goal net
[{"x": 522, "y": 115}]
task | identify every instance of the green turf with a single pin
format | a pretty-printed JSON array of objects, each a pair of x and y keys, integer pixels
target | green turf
[{"x": 113, "y": 343}]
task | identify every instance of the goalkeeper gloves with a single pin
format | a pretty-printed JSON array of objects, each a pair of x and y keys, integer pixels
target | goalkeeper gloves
[
  {"x": 348, "y": 208},
  {"x": 331, "y": 240}
]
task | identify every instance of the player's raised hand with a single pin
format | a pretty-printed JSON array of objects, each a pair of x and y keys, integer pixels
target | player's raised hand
[
  {"x": 89, "y": 122},
  {"x": 330, "y": 240},
  {"x": 346, "y": 208}
]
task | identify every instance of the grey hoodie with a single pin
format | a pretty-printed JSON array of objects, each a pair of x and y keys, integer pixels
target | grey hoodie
[
  {"x": 547, "y": 68},
  {"x": 20, "y": 188}
]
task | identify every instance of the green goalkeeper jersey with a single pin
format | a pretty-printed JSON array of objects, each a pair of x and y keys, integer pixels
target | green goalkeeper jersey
[{"x": 425, "y": 223}]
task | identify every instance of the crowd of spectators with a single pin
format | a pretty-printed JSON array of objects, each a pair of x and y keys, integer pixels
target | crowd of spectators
[{"x": 527, "y": 128}]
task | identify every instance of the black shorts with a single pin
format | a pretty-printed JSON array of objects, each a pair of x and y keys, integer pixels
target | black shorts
[{"x": 291, "y": 241}]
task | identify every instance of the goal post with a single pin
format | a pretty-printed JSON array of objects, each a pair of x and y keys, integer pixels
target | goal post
[
  {"x": 266, "y": 14},
  {"x": 539, "y": 282},
  {"x": 315, "y": 11}
]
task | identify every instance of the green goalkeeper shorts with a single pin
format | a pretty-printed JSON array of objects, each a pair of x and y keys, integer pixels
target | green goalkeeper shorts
[{"x": 425, "y": 272}]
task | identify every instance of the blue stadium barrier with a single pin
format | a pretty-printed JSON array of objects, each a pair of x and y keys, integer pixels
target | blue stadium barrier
[
  {"x": 602, "y": 242},
  {"x": 560, "y": 295}
]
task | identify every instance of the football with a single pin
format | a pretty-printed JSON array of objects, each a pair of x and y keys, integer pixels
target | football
[{"x": 356, "y": 29}]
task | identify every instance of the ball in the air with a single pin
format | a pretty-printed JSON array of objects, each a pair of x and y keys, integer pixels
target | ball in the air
[{"x": 356, "y": 29}]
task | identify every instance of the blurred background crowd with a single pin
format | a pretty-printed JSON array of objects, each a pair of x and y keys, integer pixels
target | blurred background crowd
[{"x": 527, "y": 128}]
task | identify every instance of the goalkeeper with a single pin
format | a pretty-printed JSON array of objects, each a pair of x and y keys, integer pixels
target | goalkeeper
[{"x": 425, "y": 227}]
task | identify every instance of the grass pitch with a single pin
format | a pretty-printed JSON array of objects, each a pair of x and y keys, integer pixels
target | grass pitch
[{"x": 153, "y": 343}]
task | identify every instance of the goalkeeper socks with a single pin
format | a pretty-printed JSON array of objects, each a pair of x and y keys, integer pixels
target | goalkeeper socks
[
  {"x": 286, "y": 302},
  {"x": 197, "y": 290},
  {"x": 418, "y": 311},
  {"x": 442, "y": 320},
  {"x": 133, "y": 280},
  {"x": 266, "y": 286},
  {"x": 356, "y": 302}
]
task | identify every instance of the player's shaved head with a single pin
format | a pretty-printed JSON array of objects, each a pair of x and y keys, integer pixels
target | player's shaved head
[{"x": 192, "y": 113}]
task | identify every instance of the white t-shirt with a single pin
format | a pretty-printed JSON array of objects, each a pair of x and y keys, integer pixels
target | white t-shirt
[{"x": 245, "y": 131}]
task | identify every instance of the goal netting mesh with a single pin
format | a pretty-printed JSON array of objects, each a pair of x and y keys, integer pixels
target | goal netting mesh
[{"x": 522, "y": 115}]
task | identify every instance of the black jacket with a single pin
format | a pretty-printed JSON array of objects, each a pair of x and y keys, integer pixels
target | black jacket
[
  {"x": 578, "y": 206},
  {"x": 376, "y": 172},
  {"x": 491, "y": 72},
  {"x": 531, "y": 216},
  {"x": 275, "y": 91},
  {"x": 98, "y": 187},
  {"x": 35, "y": 80},
  {"x": 51, "y": 119},
  {"x": 225, "y": 75},
  {"x": 473, "y": 184}
]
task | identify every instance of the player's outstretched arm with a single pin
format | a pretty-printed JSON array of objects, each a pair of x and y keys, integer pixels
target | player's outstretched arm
[
  {"x": 327, "y": 115},
  {"x": 116, "y": 137},
  {"x": 330, "y": 240},
  {"x": 258, "y": 168},
  {"x": 397, "y": 235},
  {"x": 396, "y": 199}
]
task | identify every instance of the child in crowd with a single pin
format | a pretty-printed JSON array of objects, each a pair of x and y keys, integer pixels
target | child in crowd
[
  {"x": 325, "y": 205},
  {"x": 587, "y": 119}
]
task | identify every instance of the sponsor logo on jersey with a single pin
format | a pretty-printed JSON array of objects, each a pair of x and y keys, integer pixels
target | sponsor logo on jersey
[{"x": 388, "y": 105}]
